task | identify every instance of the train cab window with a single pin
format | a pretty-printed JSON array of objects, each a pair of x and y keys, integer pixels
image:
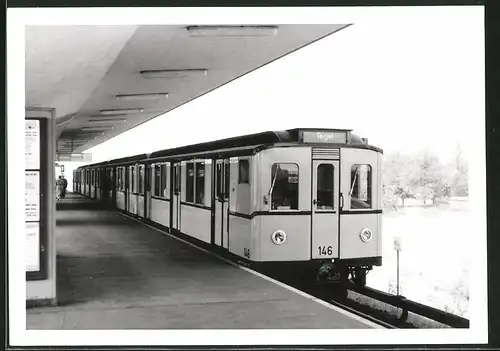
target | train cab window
[
  {"x": 200, "y": 182},
  {"x": 243, "y": 173},
  {"x": 157, "y": 180},
  {"x": 324, "y": 187},
  {"x": 190, "y": 182},
  {"x": 284, "y": 186},
  {"x": 361, "y": 187}
]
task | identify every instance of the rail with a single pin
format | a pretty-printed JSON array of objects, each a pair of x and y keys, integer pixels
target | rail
[{"x": 411, "y": 306}]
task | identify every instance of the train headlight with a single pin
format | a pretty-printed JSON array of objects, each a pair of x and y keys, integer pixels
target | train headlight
[
  {"x": 278, "y": 237},
  {"x": 365, "y": 235}
]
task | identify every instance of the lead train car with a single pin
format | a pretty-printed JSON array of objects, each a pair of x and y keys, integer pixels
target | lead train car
[{"x": 304, "y": 200}]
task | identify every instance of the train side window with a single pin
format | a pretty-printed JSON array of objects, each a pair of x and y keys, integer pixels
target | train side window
[
  {"x": 141, "y": 180},
  {"x": 124, "y": 185},
  {"x": 324, "y": 187},
  {"x": 157, "y": 180},
  {"x": 244, "y": 169},
  {"x": 227, "y": 180},
  {"x": 189, "y": 182},
  {"x": 132, "y": 178},
  {"x": 177, "y": 179},
  {"x": 361, "y": 187},
  {"x": 122, "y": 181},
  {"x": 218, "y": 170},
  {"x": 200, "y": 183},
  {"x": 284, "y": 186},
  {"x": 163, "y": 175}
]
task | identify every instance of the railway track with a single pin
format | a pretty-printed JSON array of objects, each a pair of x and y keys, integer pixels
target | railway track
[{"x": 341, "y": 295}]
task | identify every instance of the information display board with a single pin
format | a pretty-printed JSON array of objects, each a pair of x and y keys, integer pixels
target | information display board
[
  {"x": 32, "y": 147},
  {"x": 35, "y": 211}
]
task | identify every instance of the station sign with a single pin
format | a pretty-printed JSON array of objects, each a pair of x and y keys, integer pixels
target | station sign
[{"x": 326, "y": 137}]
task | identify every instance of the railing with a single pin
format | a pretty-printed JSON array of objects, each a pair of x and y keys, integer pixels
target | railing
[{"x": 411, "y": 306}]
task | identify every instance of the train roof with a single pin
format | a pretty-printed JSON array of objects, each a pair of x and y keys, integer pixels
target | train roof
[
  {"x": 128, "y": 159},
  {"x": 293, "y": 136}
]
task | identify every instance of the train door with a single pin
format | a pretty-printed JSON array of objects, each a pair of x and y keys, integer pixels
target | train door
[
  {"x": 222, "y": 183},
  {"x": 176, "y": 196},
  {"x": 147, "y": 192},
  {"x": 325, "y": 212},
  {"x": 113, "y": 185},
  {"x": 361, "y": 208},
  {"x": 127, "y": 187}
]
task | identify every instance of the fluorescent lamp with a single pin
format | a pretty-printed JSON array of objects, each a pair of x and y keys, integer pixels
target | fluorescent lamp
[
  {"x": 107, "y": 120},
  {"x": 136, "y": 97},
  {"x": 97, "y": 129},
  {"x": 125, "y": 111},
  {"x": 232, "y": 31},
  {"x": 174, "y": 73},
  {"x": 92, "y": 135}
]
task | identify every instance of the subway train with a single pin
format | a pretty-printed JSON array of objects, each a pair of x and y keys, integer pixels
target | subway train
[{"x": 305, "y": 201}]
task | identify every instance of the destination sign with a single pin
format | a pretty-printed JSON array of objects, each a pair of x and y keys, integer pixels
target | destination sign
[{"x": 325, "y": 137}]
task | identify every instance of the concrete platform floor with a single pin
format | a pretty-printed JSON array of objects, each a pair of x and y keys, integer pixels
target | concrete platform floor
[{"x": 115, "y": 273}]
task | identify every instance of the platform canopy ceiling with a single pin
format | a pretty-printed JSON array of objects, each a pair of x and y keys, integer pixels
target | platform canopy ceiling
[{"x": 105, "y": 80}]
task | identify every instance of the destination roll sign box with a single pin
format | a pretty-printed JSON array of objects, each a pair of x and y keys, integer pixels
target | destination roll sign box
[{"x": 336, "y": 137}]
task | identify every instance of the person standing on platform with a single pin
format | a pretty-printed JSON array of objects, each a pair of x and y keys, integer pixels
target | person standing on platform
[
  {"x": 65, "y": 186},
  {"x": 59, "y": 188},
  {"x": 105, "y": 185}
]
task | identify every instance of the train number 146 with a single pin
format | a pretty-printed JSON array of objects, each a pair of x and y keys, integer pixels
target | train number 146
[{"x": 325, "y": 250}]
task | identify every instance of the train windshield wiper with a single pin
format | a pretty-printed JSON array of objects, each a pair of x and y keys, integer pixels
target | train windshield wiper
[
  {"x": 354, "y": 180},
  {"x": 274, "y": 181}
]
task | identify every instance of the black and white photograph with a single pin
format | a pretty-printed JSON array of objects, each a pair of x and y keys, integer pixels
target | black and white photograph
[{"x": 247, "y": 176}]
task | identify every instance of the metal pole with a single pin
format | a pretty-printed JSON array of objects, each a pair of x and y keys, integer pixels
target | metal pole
[{"x": 397, "y": 284}]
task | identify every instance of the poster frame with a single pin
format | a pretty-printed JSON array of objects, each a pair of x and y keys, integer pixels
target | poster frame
[{"x": 44, "y": 186}]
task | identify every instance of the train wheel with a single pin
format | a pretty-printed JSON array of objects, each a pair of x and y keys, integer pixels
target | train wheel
[{"x": 360, "y": 276}]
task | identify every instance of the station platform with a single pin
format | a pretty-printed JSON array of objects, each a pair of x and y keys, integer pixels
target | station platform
[{"x": 115, "y": 273}]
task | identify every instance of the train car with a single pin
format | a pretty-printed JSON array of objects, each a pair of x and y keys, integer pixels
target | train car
[{"x": 304, "y": 200}]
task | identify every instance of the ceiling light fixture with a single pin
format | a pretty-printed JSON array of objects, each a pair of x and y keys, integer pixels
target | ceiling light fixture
[
  {"x": 122, "y": 111},
  {"x": 107, "y": 120},
  {"x": 97, "y": 129},
  {"x": 173, "y": 73},
  {"x": 90, "y": 134},
  {"x": 232, "y": 31},
  {"x": 136, "y": 97}
]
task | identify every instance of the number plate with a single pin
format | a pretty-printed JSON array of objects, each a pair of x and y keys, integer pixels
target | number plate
[{"x": 325, "y": 250}]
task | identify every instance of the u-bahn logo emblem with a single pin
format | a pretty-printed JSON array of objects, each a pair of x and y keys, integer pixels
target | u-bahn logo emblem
[{"x": 278, "y": 237}]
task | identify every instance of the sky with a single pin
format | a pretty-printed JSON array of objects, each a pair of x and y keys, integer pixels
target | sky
[{"x": 406, "y": 86}]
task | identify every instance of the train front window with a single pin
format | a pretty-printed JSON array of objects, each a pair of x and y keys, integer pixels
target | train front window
[
  {"x": 244, "y": 168},
  {"x": 324, "y": 188},
  {"x": 284, "y": 190},
  {"x": 361, "y": 187}
]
